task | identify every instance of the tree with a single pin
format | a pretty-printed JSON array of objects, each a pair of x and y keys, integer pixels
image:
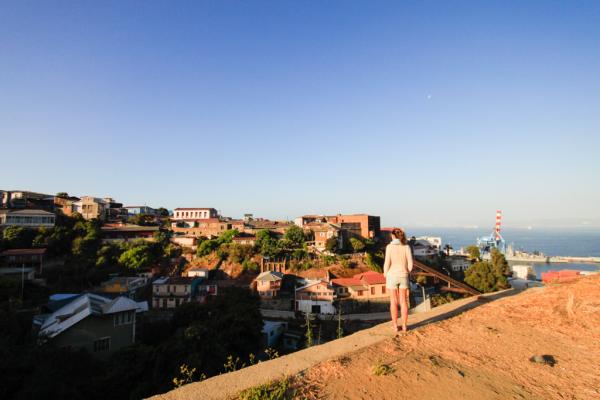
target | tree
[
  {"x": 142, "y": 220},
  {"x": 375, "y": 262},
  {"x": 85, "y": 249},
  {"x": 62, "y": 195},
  {"x": 239, "y": 252},
  {"x": 473, "y": 252},
  {"x": 249, "y": 265},
  {"x": 447, "y": 247},
  {"x": 108, "y": 255},
  {"x": 17, "y": 237},
  {"x": 206, "y": 247},
  {"x": 266, "y": 244},
  {"x": 138, "y": 257},
  {"x": 499, "y": 262},
  {"x": 227, "y": 325},
  {"x": 227, "y": 236},
  {"x": 357, "y": 244},
  {"x": 295, "y": 236},
  {"x": 331, "y": 244},
  {"x": 340, "y": 329},
  {"x": 484, "y": 277},
  {"x": 163, "y": 212}
]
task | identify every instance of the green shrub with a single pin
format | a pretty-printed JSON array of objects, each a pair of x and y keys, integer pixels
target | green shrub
[
  {"x": 272, "y": 391},
  {"x": 381, "y": 369}
]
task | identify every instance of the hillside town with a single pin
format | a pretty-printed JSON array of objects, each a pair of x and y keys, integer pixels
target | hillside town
[{"x": 83, "y": 273}]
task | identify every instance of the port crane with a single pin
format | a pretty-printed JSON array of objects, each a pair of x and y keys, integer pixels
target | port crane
[{"x": 495, "y": 240}]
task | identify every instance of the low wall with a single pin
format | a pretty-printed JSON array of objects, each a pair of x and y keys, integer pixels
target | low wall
[
  {"x": 227, "y": 386},
  {"x": 281, "y": 304}
]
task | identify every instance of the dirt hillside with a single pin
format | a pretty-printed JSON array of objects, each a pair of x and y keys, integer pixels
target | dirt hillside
[{"x": 481, "y": 354}]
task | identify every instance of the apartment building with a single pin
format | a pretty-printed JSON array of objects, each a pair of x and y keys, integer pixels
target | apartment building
[
  {"x": 364, "y": 225},
  {"x": 91, "y": 207},
  {"x": 170, "y": 292},
  {"x": 194, "y": 214}
]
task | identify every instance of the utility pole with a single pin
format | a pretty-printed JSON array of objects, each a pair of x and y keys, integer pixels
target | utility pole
[{"x": 22, "y": 281}]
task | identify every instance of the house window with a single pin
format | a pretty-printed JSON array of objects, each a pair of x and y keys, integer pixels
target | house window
[
  {"x": 372, "y": 290},
  {"x": 102, "y": 344},
  {"x": 124, "y": 318},
  {"x": 383, "y": 289},
  {"x": 164, "y": 303},
  {"x": 360, "y": 292}
]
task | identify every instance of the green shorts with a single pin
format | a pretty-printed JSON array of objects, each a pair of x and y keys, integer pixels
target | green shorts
[{"x": 396, "y": 282}]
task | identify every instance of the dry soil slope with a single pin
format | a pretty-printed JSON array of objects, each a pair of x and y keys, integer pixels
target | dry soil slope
[{"x": 481, "y": 354}]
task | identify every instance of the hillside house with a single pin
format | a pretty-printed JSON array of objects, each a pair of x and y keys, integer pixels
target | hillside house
[
  {"x": 268, "y": 284},
  {"x": 27, "y": 218},
  {"x": 316, "y": 297},
  {"x": 121, "y": 232},
  {"x": 365, "y": 286},
  {"x": 88, "y": 321},
  {"x": 170, "y": 292},
  {"x": 33, "y": 258}
]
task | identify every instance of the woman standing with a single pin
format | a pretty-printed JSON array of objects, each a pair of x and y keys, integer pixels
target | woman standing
[{"x": 396, "y": 269}]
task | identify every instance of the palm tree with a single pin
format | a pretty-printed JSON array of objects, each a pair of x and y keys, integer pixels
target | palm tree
[{"x": 447, "y": 247}]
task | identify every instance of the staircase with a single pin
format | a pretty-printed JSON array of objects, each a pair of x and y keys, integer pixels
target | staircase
[{"x": 453, "y": 285}]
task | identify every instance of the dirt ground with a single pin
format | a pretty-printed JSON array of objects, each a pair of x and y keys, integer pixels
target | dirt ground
[{"x": 481, "y": 354}]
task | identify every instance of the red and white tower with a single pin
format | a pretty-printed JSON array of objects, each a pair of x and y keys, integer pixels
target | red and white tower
[{"x": 498, "y": 224}]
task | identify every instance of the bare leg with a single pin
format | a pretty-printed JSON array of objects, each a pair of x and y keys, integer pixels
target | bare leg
[
  {"x": 394, "y": 308},
  {"x": 404, "y": 307}
]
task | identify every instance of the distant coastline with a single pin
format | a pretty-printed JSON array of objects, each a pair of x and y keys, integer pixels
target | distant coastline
[{"x": 568, "y": 244}]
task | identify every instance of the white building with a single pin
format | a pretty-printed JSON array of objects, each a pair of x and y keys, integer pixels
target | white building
[
  {"x": 27, "y": 218},
  {"x": 459, "y": 263},
  {"x": 423, "y": 248},
  {"x": 192, "y": 214},
  {"x": 523, "y": 272},
  {"x": 198, "y": 272},
  {"x": 434, "y": 241},
  {"x": 185, "y": 241},
  {"x": 316, "y": 297},
  {"x": 272, "y": 331}
]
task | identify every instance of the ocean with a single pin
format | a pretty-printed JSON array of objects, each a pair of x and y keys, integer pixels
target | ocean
[{"x": 583, "y": 242}]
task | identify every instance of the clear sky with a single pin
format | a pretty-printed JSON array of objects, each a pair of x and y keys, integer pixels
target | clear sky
[{"x": 426, "y": 113}]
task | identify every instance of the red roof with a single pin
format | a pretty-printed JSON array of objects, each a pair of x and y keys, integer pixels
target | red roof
[
  {"x": 347, "y": 282},
  {"x": 23, "y": 252},
  {"x": 371, "y": 278}
]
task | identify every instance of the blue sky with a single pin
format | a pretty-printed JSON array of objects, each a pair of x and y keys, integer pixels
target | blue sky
[{"x": 426, "y": 113}]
